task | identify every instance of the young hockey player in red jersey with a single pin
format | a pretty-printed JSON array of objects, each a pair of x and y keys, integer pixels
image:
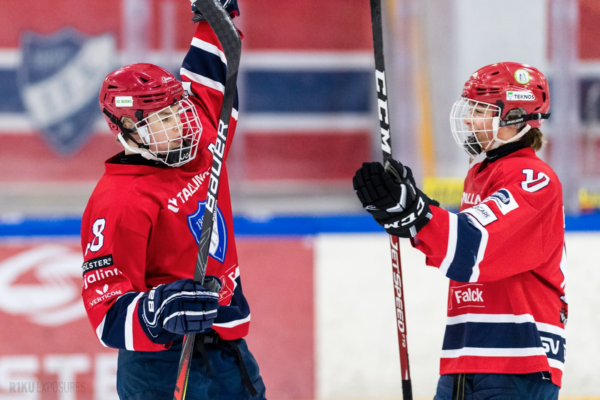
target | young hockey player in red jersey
[
  {"x": 141, "y": 228},
  {"x": 503, "y": 252}
]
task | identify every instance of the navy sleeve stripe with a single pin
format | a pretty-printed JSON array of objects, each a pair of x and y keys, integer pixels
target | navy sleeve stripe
[
  {"x": 113, "y": 333},
  {"x": 205, "y": 64},
  {"x": 129, "y": 321},
  {"x": 236, "y": 107},
  {"x": 209, "y": 48},
  {"x": 466, "y": 247}
]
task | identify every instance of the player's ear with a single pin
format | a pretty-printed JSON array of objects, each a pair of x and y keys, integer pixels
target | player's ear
[{"x": 127, "y": 122}]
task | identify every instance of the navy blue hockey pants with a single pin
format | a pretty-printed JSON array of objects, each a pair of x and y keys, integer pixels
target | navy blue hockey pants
[
  {"x": 151, "y": 375},
  {"x": 496, "y": 387}
]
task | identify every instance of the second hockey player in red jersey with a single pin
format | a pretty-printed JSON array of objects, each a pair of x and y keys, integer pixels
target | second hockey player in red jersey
[
  {"x": 503, "y": 251},
  {"x": 141, "y": 229}
]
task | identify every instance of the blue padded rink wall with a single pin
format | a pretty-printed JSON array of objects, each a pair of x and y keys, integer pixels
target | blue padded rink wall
[{"x": 276, "y": 225}]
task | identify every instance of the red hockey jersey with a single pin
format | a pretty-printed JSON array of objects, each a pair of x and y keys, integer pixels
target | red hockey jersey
[
  {"x": 504, "y": 254},
  {"x": 142, "y": 224}
]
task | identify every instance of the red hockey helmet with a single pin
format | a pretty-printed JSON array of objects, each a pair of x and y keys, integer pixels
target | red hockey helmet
[
  {"x": 142, "y": 92},
  {"x": 511, "y": 85},
  {"x": 516, "y": 94},
  {"x": 136, "y": 90}
]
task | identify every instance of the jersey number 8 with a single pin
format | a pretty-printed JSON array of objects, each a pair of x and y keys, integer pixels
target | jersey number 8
[{"x": 98, "y": 240}]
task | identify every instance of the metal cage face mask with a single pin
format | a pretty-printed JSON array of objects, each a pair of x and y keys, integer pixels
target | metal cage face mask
[
  {"x": 474, "y": 125},
  {"x": 170, "y": 135}
]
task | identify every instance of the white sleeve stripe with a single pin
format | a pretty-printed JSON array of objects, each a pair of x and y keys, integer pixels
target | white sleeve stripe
[
  {"x": 232, "y": 324},
  {"x": 555, "y": 330},
  {"x": 482, "y": 247},
  {"x": 492, "y": 352},
  {"x": 99, "y": 331},
  {"x": 129, "y": 323},
  {"x": 452, "y": 237},
  {"x": 202, "y": 80},
  {"x": 209, "y": 48},
  {"x": 234, "y": 114},
  {"x": 491, "y": 318}
]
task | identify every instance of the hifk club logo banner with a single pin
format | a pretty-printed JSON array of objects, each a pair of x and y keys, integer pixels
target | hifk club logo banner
[
  {"x": 218, "y": 240},
  {"x": 59, "y": 81}
]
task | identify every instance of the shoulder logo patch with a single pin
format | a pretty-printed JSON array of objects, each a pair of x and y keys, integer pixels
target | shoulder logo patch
[
  {"x": 218, "y": 240},
  {"x": 531, "y": 184},
  {"x": 482, "y": 213},
  {"x": 504, "y": 200}
]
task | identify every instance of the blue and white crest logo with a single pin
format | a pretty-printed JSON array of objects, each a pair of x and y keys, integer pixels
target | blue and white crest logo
[
  {"x": 59, "y": 80},
  {"x": 501, "y": 195},
  {"x": 218, "y": 240},
  {"x": 504, "y": 200}
]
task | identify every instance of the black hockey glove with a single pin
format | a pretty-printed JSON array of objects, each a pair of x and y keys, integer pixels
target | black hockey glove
[
  {"x": 170, "y": 311},
  {"x": 390, "y": 195},
  {"x": 230, "y": 6}
]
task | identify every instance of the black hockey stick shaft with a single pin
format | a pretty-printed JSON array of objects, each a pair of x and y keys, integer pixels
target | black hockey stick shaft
[
  {"x": 228, "y": 36},
  {"x": 386, "y": 147}
]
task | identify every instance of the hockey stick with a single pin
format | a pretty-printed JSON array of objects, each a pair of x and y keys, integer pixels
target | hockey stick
[
  {"x": 386, "y": 147},
  {"x": 230, "y": 40}
]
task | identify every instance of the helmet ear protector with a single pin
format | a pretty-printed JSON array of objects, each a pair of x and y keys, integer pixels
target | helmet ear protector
[
  {"x": 518, "y": 116},
  {"x": 142, "y": 131}
]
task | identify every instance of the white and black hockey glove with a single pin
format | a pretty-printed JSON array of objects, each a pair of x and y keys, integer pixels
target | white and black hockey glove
[
  {"x": 390, "y": 195},
  {"x": 170, "y": 311}
]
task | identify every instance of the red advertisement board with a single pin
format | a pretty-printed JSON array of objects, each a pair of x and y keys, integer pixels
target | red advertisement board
[{"x": 49, "y": 351}]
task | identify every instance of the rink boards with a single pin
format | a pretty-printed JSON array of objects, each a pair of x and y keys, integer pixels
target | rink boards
[{"x": 322, "y": 318}]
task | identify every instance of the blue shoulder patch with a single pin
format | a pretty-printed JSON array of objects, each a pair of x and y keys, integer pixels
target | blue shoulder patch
[{"x": 504, "y": 200}]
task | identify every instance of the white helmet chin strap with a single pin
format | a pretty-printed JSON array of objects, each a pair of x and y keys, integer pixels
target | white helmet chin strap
[
  {"x": 494, "y": 144},
  {"x": 145, "y": 153}
]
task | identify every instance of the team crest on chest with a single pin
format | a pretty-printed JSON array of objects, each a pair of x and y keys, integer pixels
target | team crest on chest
[{"x": 218, "y": 241}]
